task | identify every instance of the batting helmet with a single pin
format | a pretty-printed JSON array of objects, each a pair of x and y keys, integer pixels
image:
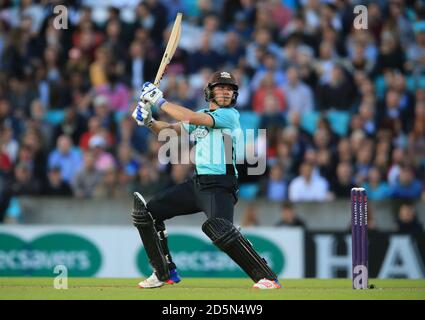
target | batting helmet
[{"x": 221, "y": 77}]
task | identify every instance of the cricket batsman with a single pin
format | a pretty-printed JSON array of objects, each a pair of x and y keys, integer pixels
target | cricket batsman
[{"x": 213, "y": 188}]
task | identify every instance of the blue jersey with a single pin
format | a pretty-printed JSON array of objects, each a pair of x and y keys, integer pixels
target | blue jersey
[{"x": 216, "y": 146}]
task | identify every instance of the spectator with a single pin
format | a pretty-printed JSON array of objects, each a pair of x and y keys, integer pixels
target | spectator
[
  {"x": 393, "y": 110},
  {"x": 103, "y": 159},
  {"x": 391, "y": 55},
  {"x": 308, "y": 187},
  {"x": 87, "y": 39},
  {"x": 396, "y": 164},
  {"x": 205, "y": 56},
  {"x": 416, "y": 52},
  {"x": 268, "y": 87},
  {"x": 159, "y": 14},
  {"x": 9, "y": 146},
  {"x": 105, "y": 114},
  {"x": 233, "y": 51},
  {"x": 407, "y": 220},
  {"x": 376, "y": 189},
  {"x": 262, "y": 43},
  {"x": 299, "y": 96},
  {"x": 73, "y": 125},
  {"x": 268, "y": 67},
  {"x": 7, "y": 117},
  {"x": 4, "y": 204},
  {"x": 337, "y": 93},
  {"x": 5, "y": 162},
  {"x": 324, "y": 151},
  {"x": 407, "y": 187},
  {"x": 296, "y": 138},
  {"x": 272, "y": 116},
  {"x": 55, "y": 186},
  {"x": 342, "y": 184},
  {"x": 359, "y": 59},
  {"x": 136, "y": 136},
  {"x": 368, "y": 118},
  {"x": 325, "y": 64},
  {"x": 66, "y": 158},
  {"x": 407, "y": 107},
  {"x": 416, "y": 138},
  {"x": 275, "y": 187},
  {"x": 211, "y": 26},
  {"x": 94, "y": 128},
  {"x": 114, "y": 40},
  {"x": 364, "y": 157},
  {"x": 304, "y": 58},
  {"x": 139, "y": 68},
  {"x": 115, "y": 90},
  {"x": 148, "y": 180},
  {"x": 179, "y": 173},
  {"x": 109, "y": 186},
  {"x": 288, "y": 217},
  {"x": 23, "y": 182},
  {"x": 344, "y": 151},
  {"x": 87, "y": 179},
  {"x": 37, "y": 116},
  {"x": 280, "y": 14},
  {"x": 183, "y": 95},
  {"x": 98, "y": 68},
  {"x": 381, "y": 161},
  {"x": 250, "y": 217},
  {"x": 33, "y": 140},
  {"x": 128, "y": 162}
]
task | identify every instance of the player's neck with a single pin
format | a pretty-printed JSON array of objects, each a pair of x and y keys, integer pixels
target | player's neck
[{"x": 213, "y": 106}]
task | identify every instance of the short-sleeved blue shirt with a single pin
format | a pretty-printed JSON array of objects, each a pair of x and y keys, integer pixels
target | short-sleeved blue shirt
[{"x": 216, "y": 144}]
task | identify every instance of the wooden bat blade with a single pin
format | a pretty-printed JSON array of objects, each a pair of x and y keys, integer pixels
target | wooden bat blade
[{"x": 172, "y": 44}]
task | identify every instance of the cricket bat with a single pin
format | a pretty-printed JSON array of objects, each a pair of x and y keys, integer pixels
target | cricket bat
[{"x": 173, "y": 41}]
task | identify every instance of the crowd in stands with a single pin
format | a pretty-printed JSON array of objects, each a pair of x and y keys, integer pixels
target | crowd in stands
[{"x": 343, "y": 107}]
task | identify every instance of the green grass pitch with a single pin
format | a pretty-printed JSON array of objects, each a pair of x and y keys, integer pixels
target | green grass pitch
[{"x": 209, "y": 289}]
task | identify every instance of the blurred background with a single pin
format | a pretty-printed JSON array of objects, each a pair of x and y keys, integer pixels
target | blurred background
[{"x": 343, "y": 107}]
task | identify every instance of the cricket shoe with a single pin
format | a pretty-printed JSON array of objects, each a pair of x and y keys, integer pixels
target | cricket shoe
[
  {"x": 267, "y": 284},
  {"x": 174, "y": 277},
  {"x": 151, "y": 282},
  {"x": 154, "y": 282}
]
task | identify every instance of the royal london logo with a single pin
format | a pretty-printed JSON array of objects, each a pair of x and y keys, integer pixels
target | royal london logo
[
  {"x": 225, "y": 75},
  {"x": 200, "y": 133}
]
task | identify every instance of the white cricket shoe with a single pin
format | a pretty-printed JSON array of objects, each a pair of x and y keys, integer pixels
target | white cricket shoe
[
  {"x": 267, "y": 284},
  {"x": 151, "y": 282}
]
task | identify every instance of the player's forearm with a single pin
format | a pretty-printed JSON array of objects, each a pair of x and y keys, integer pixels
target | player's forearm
[
  {"x": 177, "y": 112},
  {"x": 157, "y": 126}
]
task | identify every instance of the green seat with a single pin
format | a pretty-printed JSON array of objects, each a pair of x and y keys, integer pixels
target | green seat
[
  {"x": 248, "y": 191},
  {"x": 249, "y": 120},
  {"x": 339, "y": 121},
  {"x": 54, "y": 116},
  {"x": 309, "y": 121}
]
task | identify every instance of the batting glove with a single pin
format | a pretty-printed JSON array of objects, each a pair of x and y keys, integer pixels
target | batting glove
[
  {"x": 143, "y": 114},
  {"x": 152, "y": 94}
]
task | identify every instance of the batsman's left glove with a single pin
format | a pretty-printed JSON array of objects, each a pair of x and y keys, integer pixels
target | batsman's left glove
[{"x": 152, "y": 94}]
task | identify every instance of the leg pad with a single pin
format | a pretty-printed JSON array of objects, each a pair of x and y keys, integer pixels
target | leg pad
[
  {"x": 145, "y": 224},
  {"x": 225, "y": 236}
]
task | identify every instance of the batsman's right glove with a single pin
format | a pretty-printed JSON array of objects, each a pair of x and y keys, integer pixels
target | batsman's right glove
[{"x": 143, "y": 114}]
